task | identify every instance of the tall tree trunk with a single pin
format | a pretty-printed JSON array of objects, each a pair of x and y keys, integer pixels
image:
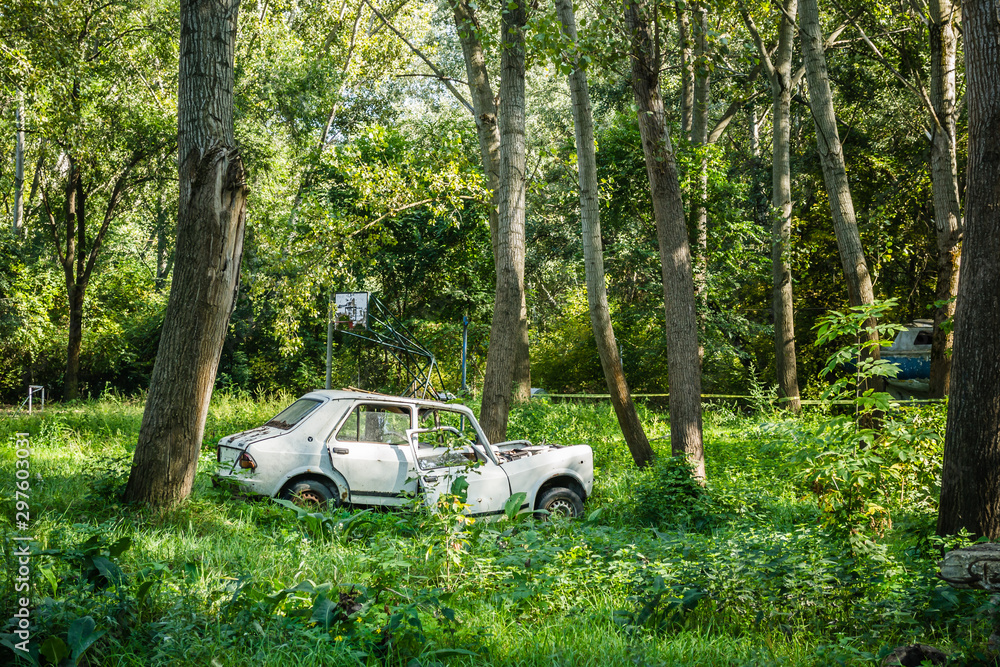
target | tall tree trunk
[
  {"x": 210, "y": 225},
  {"x": 687, "y": 66},
  {"x": 970, "y": 478},
  {"x": 74, "y": 296},
  {"x": 19, "y": 168},
  {"x": 485, "y": 110},
  {"x": 779, "y": 72},
  {"x": 699, "y": 137},
  {"x": 71, "y": 383},
  {"x": 593, "y": 255},
  {"x": 831, "y": 153},
  {"x": 483, "y": 103},
  {"x": 76, "y": 285},
  {"x": 78, "y": 256},
  {"x": 521, "y": 391},
  {"x": 684, "y": 366},
  {"x": 162, "y": 255},
  {"x": 944, "y": 176},
  {"x": 509, "y": 327},
  {"x": 781, "y": 201}
]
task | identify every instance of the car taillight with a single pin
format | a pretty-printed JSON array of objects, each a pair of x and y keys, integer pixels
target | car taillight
[{"x": 246, "y": 461}]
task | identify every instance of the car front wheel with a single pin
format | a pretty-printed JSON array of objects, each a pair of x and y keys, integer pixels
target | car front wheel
[
  {"x": 311, "y": 494},
  {"x": 561, "y": 501}
]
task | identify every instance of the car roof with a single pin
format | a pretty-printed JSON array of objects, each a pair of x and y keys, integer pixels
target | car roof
[{"x": 353, "y": 395}]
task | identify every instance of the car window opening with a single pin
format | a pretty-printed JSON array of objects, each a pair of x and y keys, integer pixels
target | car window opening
[
  {"x": 379, "y": 424},
  {"x": 294, "y": 413}
]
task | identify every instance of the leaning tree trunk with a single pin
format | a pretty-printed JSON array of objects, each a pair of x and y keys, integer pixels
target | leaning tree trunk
[
  {"x": 831, "y": 153},
  {"x": 779, "y": 73},
  {"x": 210, "y": 225},
  {"x": 970, "y": 478},
  {"x": 508, "y": 332},
  {"x": 593, "y": 256},
  {"x": 781, "y": 201},
  {"x": 683, "y": 364},
  {"x": 944, "y": 176},
  {"x": 483, "y": 103}
]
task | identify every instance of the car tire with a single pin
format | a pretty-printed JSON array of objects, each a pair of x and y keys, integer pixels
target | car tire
[
  {"x": 311, "y": 494},
  {"x": 561, "y": 501}
]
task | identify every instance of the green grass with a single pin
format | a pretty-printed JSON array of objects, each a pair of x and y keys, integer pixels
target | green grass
[{"x": 747, "y": 572}]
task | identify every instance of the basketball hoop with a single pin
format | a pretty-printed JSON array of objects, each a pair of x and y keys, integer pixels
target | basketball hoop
[{"x": 350, "y": 310}]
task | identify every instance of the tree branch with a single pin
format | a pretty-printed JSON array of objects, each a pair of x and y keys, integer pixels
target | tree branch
[
  {"x": 54, "y": 228},
  {"x": 920, "y": 93},
  {"x": 446, "y": 79},
  {"x": 727, "y": 117},
  {"x": 434, "y": 76},
  {"x": 752, "y": 28}
]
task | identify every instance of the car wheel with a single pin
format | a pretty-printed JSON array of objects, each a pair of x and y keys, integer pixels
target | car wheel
[
  {"x": 561, "y": 501},
  {"x": 311, "y": 494}
]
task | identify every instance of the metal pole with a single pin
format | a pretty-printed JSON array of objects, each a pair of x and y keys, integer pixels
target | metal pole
[
  {"x": 329, "y": 345},
  {"x": 31, "y": 392},
  {"x": 465, "y": 346}
]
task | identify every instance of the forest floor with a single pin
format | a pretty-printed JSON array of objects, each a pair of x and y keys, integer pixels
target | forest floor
[{"x": 803, "y": 549}]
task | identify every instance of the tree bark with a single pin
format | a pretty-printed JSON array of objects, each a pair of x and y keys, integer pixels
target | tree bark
[
  {"x": 944, "y": 177},
  {"x": 71, "y": 383},
  {"x": 488, "y": 132},
  {"x": 483, "y": 103},
  {"x": 684, "y": 366},
  {"x": 163, "y": 259},
  {"x": 699, "y": 137},
  {"x": 508, "y": 332},
  {"x": 970, "y": 478},
  {"x": 593, "y": 255},
  {"x": 76, "y": 284},
  {"x": 19, "y": 169},
  {"x": 210, "y": 226},
  {"x": 779, "y": 73},
  {"x": 845, "y": 226},
  {"x": 78, "y": 255},
  {"x": 687, "y": 66}
]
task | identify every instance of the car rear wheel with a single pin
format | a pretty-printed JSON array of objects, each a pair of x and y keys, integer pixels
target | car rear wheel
[
  {"x": 311, "y": 494},
  {"x": 561, "y": 501}
]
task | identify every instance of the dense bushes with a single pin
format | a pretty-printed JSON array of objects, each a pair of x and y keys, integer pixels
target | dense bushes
[{"x": 749, "y": 569}]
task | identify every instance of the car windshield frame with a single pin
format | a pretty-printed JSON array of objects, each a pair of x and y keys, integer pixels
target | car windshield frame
[{"x": 294, "y": 413}]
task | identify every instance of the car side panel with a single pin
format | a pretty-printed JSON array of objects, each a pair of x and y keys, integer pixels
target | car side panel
[
  {"x": 298, "y": 451},
  {"x": 378, "y": 473},
  {"x": 529, "y": 474}
]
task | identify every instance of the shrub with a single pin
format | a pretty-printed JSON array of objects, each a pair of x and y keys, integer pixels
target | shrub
[{"x": 668, "y": 493}]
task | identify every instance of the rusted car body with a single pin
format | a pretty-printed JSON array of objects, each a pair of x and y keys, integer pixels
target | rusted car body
[{"x": 373, "y": 449}]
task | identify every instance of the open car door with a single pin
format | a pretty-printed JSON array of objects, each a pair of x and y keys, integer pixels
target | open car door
[{"x": 444, "y": 457}]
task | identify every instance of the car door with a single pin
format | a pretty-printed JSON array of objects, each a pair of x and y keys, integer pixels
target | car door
[
  {"x": 443, "y": 456},
  {"x": 370, "y": 449}
]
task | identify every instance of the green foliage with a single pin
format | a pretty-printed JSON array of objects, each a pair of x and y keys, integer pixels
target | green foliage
[
  {"x": 878, "y": 460},
  {"x": 667, "y": 493},
  {"x": 858, "y": 353},
  {"x": 760, "y": 576}
]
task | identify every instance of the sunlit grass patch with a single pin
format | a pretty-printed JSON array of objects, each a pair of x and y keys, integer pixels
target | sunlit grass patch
[{"x": 743, "y": 572}]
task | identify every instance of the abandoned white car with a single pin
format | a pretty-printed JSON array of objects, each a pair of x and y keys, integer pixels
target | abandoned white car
[{"x": 333, "y": 447}]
